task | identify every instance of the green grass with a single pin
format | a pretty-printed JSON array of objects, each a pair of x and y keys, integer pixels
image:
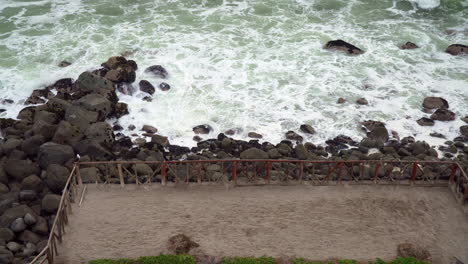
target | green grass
[
  {"x": 161, "y": 259},
  {"x": 248, "y": 260}
]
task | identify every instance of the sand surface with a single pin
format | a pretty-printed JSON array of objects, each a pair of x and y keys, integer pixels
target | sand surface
[{"x": 358, "y": 222}]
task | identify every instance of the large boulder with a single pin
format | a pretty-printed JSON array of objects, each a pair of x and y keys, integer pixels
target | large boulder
[
  {"x": 46, "y": 116},
  {"x": 291, "y": 135},
  {"x": 89, "y": 82},
  {"x": 6, "y": 234},
  {"x": 124, "y": 73},
  {"x": 66, "y": 85},
  {"x": 28, "y": 236},
  {"x": 142, "y": 169},
  {"x": 40, "y": 227},
  {"x": 56, "y": 177},
  {"x": 32, "y": 182},
  {"x": 44, "y": 129},
  {"x": 80, "y": 117},
  {"x": 308, "y": 129},
  {"x": 160, "y": 140},
  {"x": 20, "y": 169},
  {"x": 343, "y": 46},
  {"x": 464, "y": 130},
  {"x": 50, "y": 203},
  {"x": 101, "y": 133},
  {"x": 457, "y": 49},
  {"x": 120, "y": 110},
  {"x": 202, "y": 129},
  {"x": 67, "y": 134},
  {"x": 443, "y": 115},
  {"x": 93, "y": 149},
  {"x": 254, "y": 153},
  {"x": 53, "y": 153},
  {"x": 57, "y": 105},
  {"x": 30, "y": 146},
  {"x": 13, "y": 213},
  {"x": 301, "y": 152},
  {"x": 147, "y": 87},
  {"x": 376, "y": 130},
  {"x": 158, "y": 71},
  {"x": 11, "y": 144},
  {"x": 96, "y": 103},
  {"x": 435, "y": 103},
  {"x": 6, "y": 257}
]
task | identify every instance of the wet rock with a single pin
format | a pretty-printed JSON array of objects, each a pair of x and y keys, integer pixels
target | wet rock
[
  {"x": 47, "y": 117},
  {"x": 96, "y": 103},
  {"x": 30, "y": 146},
  {"x": 114, "y": 62},
  {"x": 253, "y": 153},
  {"x": 27, "y": 195},
  {"x": 376, "y": 130},
  {"x": 202, "y": 129},
  {"x": 50, "y": 203},
  {"x": 149, "y": 129},
  {"x": 146, "y": 86},
  {"x": 80, "y": 117},
  {"x": 197, "y": 138},
  {"x": 6, "y": 234},
  {"x": 425, "y": 121},
  {"x": 274, "y": 154},
  {"x": 343, "y": 46},
  {"x": 53, "y": 153},
  {"x": 101, "y": 133},
  {"x": 164, "y": 86},
  {"x": 44, "y": 129},
  {"x": 56, "y": 177},
  {"x": 67, "y": 134},
  {"x": 124, "y": 74},
  {"x": 437, "y": 135},
  {"x": 158, "y": 71},
  {"x": 341, "y": 100},
  {"x": 13, "y": 213},
  {"x": 254, "y": 135},
  {"x": 125, "y": 88},
  {"x": 11, "y": 144},
  {"x": 120, "y": 110},
  {"x": 18, "y": 225},
  {"x": 464, "y": 130},
  {"x": 89, "y": 82},
  {"x": 409, "y": 45},
  {"x": 160, "y": 140},
  {"x": 291, "y": 135},
  {"x": 307, "y": 129},
  {"x": 20, "y": 169},
  {"x": 408, "y": 250},
  {"x": 57, "y": 105},
  {"x": 362, "y": 101},
  {"x": 64, "y": 64},
  {"x": 301, "y": 152},
  {"x": 464, "y": 119},
  {"x": 147, "y": 99},
  {"x": 29, "y": 219},
  {"x": 457, "y": 49},
  {"x": 435, "y": 103},
  {"x": 94, "y": 150},
  {"x": 443, "y": 115},
  {"x": 66, "y": 85}
]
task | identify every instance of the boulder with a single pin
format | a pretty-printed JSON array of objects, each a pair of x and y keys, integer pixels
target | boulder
[
  {"x": 124, "y": 73},
  {"x": 435, "y": 103},
  {"x": 409, "y": 45},
  {"x": 114, "y": 62},
  {"x": 4, "y": 188},
  {"x": 29, "y": 219},
  {"x": 254, "y": 153},
  {"x": 120, "y": 110},
  {"x": 96, "y": 103},
  {"x": 3, "y": 175},
  {"x": 7, "y": 200},
  {"x": 66, "y": 85},
  {"x": 57, "y": 105},
  {"x": 13, "y": 213},
  {"x": 341, "y": 100},
  {"x": 164, "y": 86},
  {"x": 32, "y": 182},
  {"x": 11, "y": 144},
  {"x": 464, "y": 130},
  {"x": 6, "y": 257},
  {"x": 291, "y": 135},
  {"x": 158, "y": 71},
  {"x": 14, "y": 247},
  {"x": 376, "y": 130},
  {"x": 28, "y": 236},
  {"x": 30, "y": 146},
  {"x": 425, "y": 121},
  {"x": 142, "y": 169},
  {"x": 101, "y": 133},
  {"x": 443, "y": 115},
  {"x": 50, "y": 203},
  {"x": 67, "y": 134},
  {"x": 6, "y": 234},
  {"x": 20, "y": 169},
  {"x": 343, "y": 46},
  {"x": 27, "y": 195},
  {"x": 80, "y": 117},
  {"x": 307, "y": 129},
  {"x": 254, "y": 135},
  {"x": 40, "y": 227},
  {"x": 93, "y": 149},
  {"x": 56, "y": 177},
  {"x": 146, "y": 86},
  {"x": 202, "y": 129},
  {"x": 89, "y": 82},
  {"x": 149, "y": 129},
  {"x": 44, "y": 129},
  {"x": 464, "y": 119},
  {"x": 18, "y": 225},
  {"x": 27, "y": 113},
  {"x": 274, "y": 154},
  {"x": 362, "y": 101},
  {"x": 53, "y": 153},
  {"x": 301, "y": 152},
  {"x": 46, "y": 116},
  {"x": 457, "y": 49}
]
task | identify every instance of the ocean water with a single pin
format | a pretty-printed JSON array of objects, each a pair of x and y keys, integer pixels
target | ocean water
[{"x": 251, "y": 65}]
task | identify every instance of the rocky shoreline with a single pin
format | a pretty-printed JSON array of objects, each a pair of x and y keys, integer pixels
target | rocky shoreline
[{"x": 70, "y": 120}]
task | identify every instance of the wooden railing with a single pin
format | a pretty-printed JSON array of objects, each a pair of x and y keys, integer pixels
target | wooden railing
[{"x": 257, "y": 172}]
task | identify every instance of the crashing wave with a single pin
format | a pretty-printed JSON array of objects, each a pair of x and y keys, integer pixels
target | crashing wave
[{"x": 426, "y": 4}]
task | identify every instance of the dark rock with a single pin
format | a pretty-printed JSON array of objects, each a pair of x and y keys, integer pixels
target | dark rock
[
  {"x": 27, "y": 195},
  {"x": 202, "y": 129},
  {"x": 114, "y": 62},
  {"x": 117, "y": 127},
  {"x": 90, "y": 175},
  {"x": 376, "y": 130},
  {"x": 301, "y": 152},
  {"x": 27, "y": 113},
  {"x": 149, "y": 129},
  {"x": 160, "y": 140},
  {"x": 18, "y": 225},
  {"x": 464, "y": 119},
  {"x": 146, "y": 86},
  {"x": 20, "y": 169},
  {"x": 30, "y": 146},
  {"x": 56, "y": 177},
  {"x": 253, "y": 153},
  {"x": 124, "y": 73},
  {"x": 29, "y": 219},
  {"x": 409, "y": 45},
  {"x": 64, "y": 64},
  {"x": 341, "y": 100},
  {"x": 425, "y": 121},
  {"x": 6, "y": 234},
  {"x": 88, "y": 83},
  {"x": 362, "y": 101},
  {"x": 407, "y": 250},
  {"x": 47, "y": 117},
  {"x": 164, "y": 86},
  {"x": 197, "y": 138},
  {"x": 147, "y": 99},
  {"x": 443, "y": 115},
  {"x": 158, "y": 71},
  {"x": 132, "y": 64},
  {"x": 6, "y": 257},
  {"x": 437, "y": 135},
  {"x": 464, "y": 130},
  {"x": 44, "y": 129},
  {"x": 125, "y": 88},
  {"x": 53, "y": 153},
  {"x": 14, "y": 247},
  {"x": 291, "y": 135},
  {"x": 13, "y": 213},
  {"x": 11, "y": 144},
  {"x": 457, "y": 49},
  {"x": 307, "y": 129},
  {"x": 93, "y": 149},
  {"x": 50, "y": 203},
  {"x": 254, "y": 135},
  {"x": 28, "y": 236},
  {"x": 57, "y": 105},
  {"x": 101, "y": 133},
  {"x": 66, "y": 85},
  {"x": 120, "y": 110},
  {"x": 80, "y": 117},
  {"x": 343, "y": 46},
  {"x": 40, "y": 227},
  {"x": 3, "y": 188},
  {"x": 435, "y": 103},
  {"x": 96, "y": 103},
  {"x": 67, "y": 134}
]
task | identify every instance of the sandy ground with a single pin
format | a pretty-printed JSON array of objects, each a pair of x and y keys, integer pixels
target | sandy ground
[{"x": 358, "y": 222}]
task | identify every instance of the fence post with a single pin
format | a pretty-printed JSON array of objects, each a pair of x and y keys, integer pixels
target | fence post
[
  {"x": 199, "y": 177},
  {"x": 452, "y": 174},
  {"x": 78, "y": 175},
  {"x": 340, "y": 171},
  {"x": 376, "y": 172},
  {"x": 413, "y": 172},
  {"x": 119, "y": 168},
  {"x": 301, "y": 172},
  {"x": 163, "y": 174},
  {"x": 234, "y": 172},
  {"x": 268, "y": 175}
]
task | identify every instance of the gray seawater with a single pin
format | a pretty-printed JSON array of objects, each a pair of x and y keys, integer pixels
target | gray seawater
[{"x": 249, "y": 64}]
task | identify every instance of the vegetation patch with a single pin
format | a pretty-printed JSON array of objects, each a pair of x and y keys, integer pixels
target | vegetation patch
[
  {"x": 161, "y": 259},
  {"x": 248, "y": 260}
]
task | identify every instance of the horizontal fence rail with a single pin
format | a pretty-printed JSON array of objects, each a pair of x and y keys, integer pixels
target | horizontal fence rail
[{"x": 253, "y": 172}]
